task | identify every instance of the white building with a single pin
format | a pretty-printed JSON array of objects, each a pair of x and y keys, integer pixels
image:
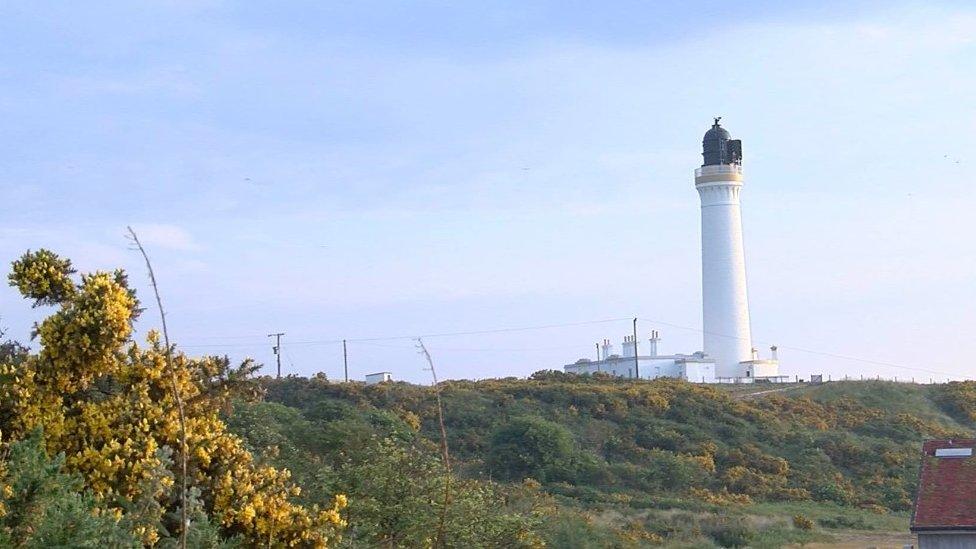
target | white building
[
  {"x": 729, "y": 355},
  {"x": 379, "y": 377},
  {"x": 695, "y": 367}
]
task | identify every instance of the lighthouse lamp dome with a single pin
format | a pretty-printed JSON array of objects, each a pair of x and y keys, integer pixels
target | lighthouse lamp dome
[{"x": 719, "y": 148}]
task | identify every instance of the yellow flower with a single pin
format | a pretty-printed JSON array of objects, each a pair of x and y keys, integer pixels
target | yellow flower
[{"x": 112, "y": 440}]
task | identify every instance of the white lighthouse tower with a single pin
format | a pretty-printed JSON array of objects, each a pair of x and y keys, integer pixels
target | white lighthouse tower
[
  {"x": 725, "y": 303},
  {"x": 728, "y": 352}
]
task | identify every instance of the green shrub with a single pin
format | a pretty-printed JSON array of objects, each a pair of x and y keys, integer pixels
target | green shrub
[
  {"x": 729, "y": 531},
  {"x": 802, "y": 523},
  {"x": 672, "y": 472},
  {"x": 531, "y": 447},
  {"x": 46, "y": 507},
  {"x": 573, "y": 530},
  {"x": 851, "y": 521}
]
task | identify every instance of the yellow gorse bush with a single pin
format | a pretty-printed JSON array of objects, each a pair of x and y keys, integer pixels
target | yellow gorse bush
[{"x": 107, "y": 404}]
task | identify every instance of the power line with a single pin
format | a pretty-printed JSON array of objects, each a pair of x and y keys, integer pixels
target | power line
[
  {"x": 479, "y": 349},
  {"x": 224, "y": 346},
  {"x": 252, "y": 336},
  {"x": 375, "y": 341},
  {"x": 698, "y": 330},
  {"x": 496, "y": 330},
  {"x": 413, "y": 337}
]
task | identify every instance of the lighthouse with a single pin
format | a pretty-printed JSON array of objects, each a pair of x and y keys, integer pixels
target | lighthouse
[
  {"x": 728, "y": 355},
  {"x": 725, "y": 300}
]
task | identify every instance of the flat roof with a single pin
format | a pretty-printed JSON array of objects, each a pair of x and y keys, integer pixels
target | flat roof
[{"x": 618, "y": 358}]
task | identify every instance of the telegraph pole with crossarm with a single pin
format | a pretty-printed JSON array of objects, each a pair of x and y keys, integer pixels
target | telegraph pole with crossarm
[{"x": 277, "y": 349}]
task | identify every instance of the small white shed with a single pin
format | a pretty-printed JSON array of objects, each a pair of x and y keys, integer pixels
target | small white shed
[{"x": 379, "y": 377}]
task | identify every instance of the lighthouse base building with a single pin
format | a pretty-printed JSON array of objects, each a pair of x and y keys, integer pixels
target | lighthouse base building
[
  {"x": 631, "y": 364},
  {"x": 697, "y": 367},
  {"x": 728, "y": 355}
]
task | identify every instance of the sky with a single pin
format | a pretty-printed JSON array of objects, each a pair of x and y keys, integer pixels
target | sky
[{"x": 375, "y": 171}]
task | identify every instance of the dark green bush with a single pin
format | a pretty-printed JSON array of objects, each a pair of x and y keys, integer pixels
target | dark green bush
[
  {"x": 47, "y": 507},
  {"x": 531, "y": 447},
  {"x": 838, "y": 522},
  {"x": 728, "y": 531}
]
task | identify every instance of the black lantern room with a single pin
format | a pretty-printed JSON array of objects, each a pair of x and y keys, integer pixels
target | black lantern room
[{"x": 719, "y": 148}]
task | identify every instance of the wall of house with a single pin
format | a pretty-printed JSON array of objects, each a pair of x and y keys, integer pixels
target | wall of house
[
  {"x": 946, "y": 540},
  {"x": 650, "y": 368},
  {"x": 699, "y": 372}
]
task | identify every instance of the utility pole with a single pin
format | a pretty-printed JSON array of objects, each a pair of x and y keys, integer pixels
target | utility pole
[
  {"x": 277, "y": 349},
  {"x": 636, "y": 360},
  {"x": 345, "y": 360}
]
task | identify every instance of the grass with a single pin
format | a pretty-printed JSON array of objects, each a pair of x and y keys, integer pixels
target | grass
[
  {"x": 761, "y": 526},
  {"x": 826, "y": 514},
  {"x": 902, "y": 397},
  {"x": 909, "y": 398}
]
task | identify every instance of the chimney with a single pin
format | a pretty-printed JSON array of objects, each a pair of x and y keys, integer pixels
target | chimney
[
  {"x": 755, "y": 353},
  {"x": 607, "y": 349},
  {"x": 653, "y": 341},
  {"x": 630, "y": 347},
  {"x": 772, "y": 353}
]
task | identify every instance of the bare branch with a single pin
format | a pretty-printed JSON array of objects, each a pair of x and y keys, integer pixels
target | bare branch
[
  {"x": 184, "y": 523},
  {"x": 441, "y": 541}
]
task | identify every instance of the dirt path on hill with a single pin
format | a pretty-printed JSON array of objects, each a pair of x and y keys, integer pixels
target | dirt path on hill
[
  {"x": 747, "y": 396},
  {"x": 890, "y": 540}
]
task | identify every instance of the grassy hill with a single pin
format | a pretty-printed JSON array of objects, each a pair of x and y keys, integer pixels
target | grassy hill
[{"x": 591, "y": 462}]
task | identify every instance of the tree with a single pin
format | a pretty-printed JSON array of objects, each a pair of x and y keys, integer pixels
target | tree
[
  {"x": 107, "y": 404},
  {"x": 43, "y": 506},
  {"x": 397, "y": 502},
  {"x": 530, "y": 446}
]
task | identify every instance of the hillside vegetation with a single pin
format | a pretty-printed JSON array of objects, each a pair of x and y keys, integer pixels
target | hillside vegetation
[
  {"x": 608, "y": 462},
  {"x": 108, "y": 442}
]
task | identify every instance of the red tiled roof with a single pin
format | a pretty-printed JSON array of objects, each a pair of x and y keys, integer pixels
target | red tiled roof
[{"x": 946, "y": 497}]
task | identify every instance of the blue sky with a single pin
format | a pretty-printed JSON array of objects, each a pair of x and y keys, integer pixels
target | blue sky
[{"x": 371, "y": 169}]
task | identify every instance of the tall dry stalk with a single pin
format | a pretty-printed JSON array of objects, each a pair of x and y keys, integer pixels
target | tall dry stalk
[
  {"x": 441, "y": 542},
  {"x": 184, "y": 449}
]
